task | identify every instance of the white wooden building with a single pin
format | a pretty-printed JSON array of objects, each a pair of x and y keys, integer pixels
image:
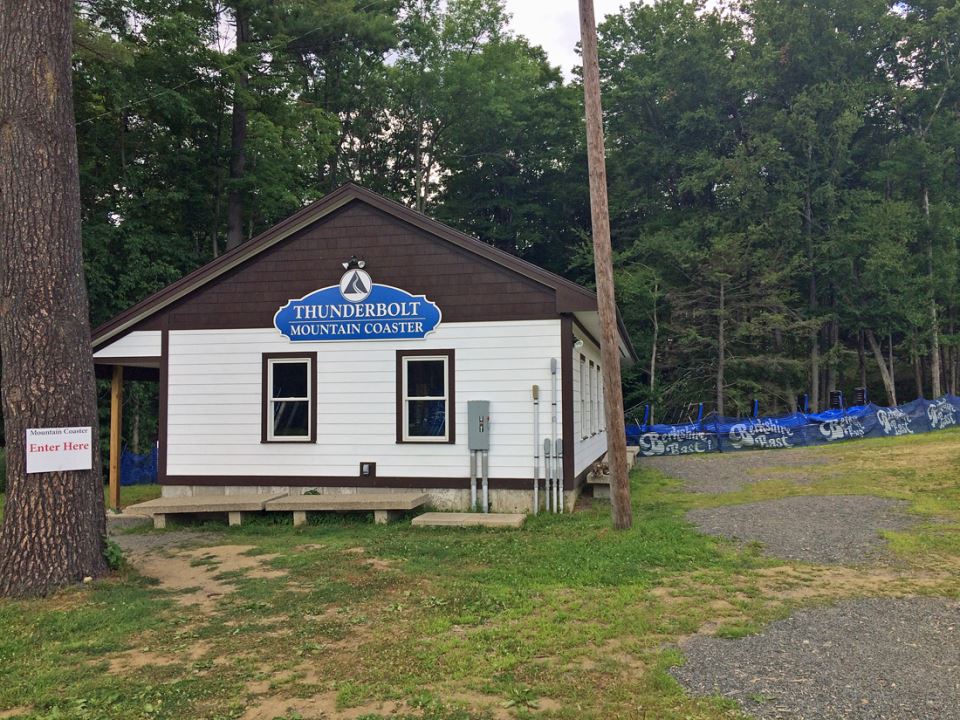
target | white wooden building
[{"x": 339, "y": 350}]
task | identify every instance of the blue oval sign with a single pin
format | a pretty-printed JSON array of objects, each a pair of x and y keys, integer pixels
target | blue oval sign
[{"x": 357, "y": 309}]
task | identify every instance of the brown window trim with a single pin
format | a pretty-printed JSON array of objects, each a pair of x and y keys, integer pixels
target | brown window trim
[
  {"x": 265, "y": 401},
  {"x": 451, "y": 399}
]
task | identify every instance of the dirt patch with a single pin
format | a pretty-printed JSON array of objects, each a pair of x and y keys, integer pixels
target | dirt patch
[
  {"x": 323, "y": 706},
  {"x": 379, "y": 563},
  {"x": 786, "y": 582},
  {"x": 125, "y": 662},
  {"x": 141, "y": 544},
  {"x": 16, "y": 712},
  {"x": 612, "y": 651},
  {"x": 489, "y": 704},
  {"x": 194, "y": 573}
]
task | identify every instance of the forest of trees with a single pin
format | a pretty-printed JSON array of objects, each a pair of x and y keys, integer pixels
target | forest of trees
[{"x": 784, "y": 174}]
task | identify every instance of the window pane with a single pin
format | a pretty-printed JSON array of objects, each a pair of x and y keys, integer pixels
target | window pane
[
  {"x": 290, "y": 379},
  {"x": 291, "y": 419},
  {"x": 425, "y": 378},
  {"x": 426, "y": 418}
]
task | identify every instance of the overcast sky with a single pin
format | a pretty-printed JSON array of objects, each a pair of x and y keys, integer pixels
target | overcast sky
[{"x": 555, "y": 25}]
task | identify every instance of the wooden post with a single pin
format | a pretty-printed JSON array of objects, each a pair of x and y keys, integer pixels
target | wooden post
[
  {"x": 603, "y": 264},
  {"x": 116, "y": 423}
]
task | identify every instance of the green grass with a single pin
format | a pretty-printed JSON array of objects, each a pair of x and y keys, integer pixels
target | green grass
[{"x": 564, "y": 618}]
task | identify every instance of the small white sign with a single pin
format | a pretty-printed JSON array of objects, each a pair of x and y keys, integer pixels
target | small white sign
[{"x": 53, "y": 449}]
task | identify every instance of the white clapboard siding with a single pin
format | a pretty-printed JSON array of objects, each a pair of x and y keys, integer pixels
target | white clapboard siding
[
  {"x": 586, "y": 449},
  {"x": 214, "y": 401},
  {"x": 142, "y": 343}
]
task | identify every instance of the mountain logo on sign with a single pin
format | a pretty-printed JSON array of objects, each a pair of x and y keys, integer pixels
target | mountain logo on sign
[{"x": 355, "y": 285}]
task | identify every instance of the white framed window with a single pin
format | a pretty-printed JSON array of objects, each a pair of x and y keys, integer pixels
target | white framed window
[
  {"x": 584, "y": 430},
  {"x": 425, "y": 397},
  {"x": 601, "y": 400},
  {"x": 289, "y": 398},
  {"x": 591, "y": 425},
  {"x": 598, "y": 398}
]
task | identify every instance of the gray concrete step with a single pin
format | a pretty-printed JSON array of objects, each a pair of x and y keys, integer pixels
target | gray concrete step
[{"x": 459, "y": 519}]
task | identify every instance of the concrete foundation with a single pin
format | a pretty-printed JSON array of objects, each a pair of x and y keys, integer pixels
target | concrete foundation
[{"x": 446, "y": 499}]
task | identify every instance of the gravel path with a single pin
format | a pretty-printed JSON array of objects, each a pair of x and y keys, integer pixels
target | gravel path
[
  {"x": 830, "y": 529},
  {"x": 722, "y": 473},
  {"x": 872, "y": 659}
]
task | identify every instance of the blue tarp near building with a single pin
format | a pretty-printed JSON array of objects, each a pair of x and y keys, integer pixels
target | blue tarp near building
[
  {"x": 136, "y": 469},
  {"x": 726, "y": 434}
]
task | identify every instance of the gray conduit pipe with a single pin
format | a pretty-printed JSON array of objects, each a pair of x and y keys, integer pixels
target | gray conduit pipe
[
  {"x": 473, "y": 480},
  {"x": 558, "y": 463},
  {"x": 484, "y": 461},
  {"x": 548, "y": 474},
  {"x": 553, "y": 423},
  {"x": 536, "y": 449}
]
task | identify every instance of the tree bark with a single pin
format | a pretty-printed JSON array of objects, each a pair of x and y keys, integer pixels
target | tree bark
[
  {"x": 935, "y": 372},
  {"x": 917, "y": 372},
  {"x": 833, "y": 334},
  {"x": 238, "y": 136},
  {"x": 721, "y": 349},
  {"x": 621, "y": 509},
  {"x": 135, "y": 417},
  {"x": 862, "y": 360},
  {"x": 653, "y": 344},
  {"x": 954, "y": 351},
  {"x": 812, "y": 290},
  {"x": 888, "y": 384},
  {"x": 893, "y": 371},
  {"x": 54, "y": 525}
]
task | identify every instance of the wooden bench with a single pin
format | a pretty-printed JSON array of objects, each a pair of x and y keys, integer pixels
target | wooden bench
[
  {"x": 385, "y": 506},
  {"x": 233, "y": 505}
]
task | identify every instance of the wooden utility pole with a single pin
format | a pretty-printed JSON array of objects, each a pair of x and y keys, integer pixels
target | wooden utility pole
[
  {"x": 603, "y": 264},
  {"x": 53, "y": 526},
  {"x": 116, "y": 423}
]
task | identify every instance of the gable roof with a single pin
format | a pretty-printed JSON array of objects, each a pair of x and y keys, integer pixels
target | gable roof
[{"x": 570, "y": 297}]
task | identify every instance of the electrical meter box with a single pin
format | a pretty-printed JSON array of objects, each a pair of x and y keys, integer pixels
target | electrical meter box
[{"x": 478, "y": 424}]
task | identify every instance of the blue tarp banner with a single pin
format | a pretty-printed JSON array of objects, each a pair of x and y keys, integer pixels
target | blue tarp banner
[
  {"x": 726, "y": 434},
  {"x": 136, "y": 469}
]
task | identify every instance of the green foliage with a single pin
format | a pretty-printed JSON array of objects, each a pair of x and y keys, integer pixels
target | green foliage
[
  {"x": 780, "y": 153},
  {"x": 785, "y": 171},
  {"x": 114, "y": 554}
]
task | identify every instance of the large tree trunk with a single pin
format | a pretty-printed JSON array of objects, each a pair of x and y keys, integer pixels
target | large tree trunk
[
  {"x": 53, "y": 527},
  {"x": 888, "y": 384},
  {"x": 893, "y": 370},
  {"x": 812, "y": 290},
  {"x": 917, "y": 372},
  {"x": 653, "y": 344},
  {"x": 833, "y": 333},
  {"x": 861, "y": 360},
  {"x": 238, "y": 137},
  {"x": 954, "y": 351},
  {"x": 721, "y": 349},
  {"x": 935, "y": 373}
]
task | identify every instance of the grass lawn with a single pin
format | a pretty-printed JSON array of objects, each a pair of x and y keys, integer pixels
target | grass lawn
[{"x": 562, "y": 619}]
